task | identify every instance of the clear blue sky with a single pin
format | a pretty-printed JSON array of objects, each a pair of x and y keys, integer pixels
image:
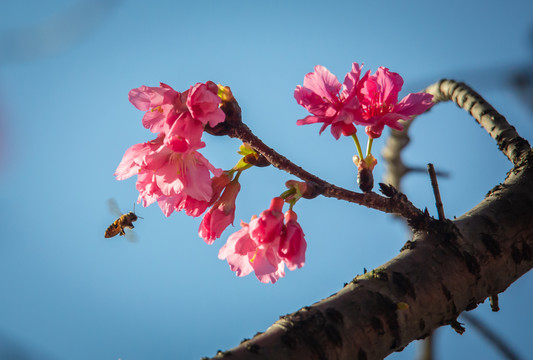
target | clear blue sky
[{"x": 65, "y": 122}]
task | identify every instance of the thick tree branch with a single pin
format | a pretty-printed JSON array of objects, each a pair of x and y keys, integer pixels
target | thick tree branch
[{"x": 447, "y": 268}]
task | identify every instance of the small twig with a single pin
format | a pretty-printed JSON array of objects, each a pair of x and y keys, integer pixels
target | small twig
[
  {"x": 417, "y": 169},
  {"x": 490, "y": 336},
  {"x": 458, "y": 327},
  {"x": 436, "y": 192},
  {"x": 397, "y": 204}
]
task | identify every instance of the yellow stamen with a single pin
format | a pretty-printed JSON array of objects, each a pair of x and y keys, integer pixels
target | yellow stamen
[{"x": 253, "y": 258}]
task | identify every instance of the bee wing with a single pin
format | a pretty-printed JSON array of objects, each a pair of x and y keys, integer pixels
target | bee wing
[
  {"x": 130, "y": 236},
  {"x": 113, "y": 207}
]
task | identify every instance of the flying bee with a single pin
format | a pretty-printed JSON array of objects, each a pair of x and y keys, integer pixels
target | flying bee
[{"x": 124, "y": 221}]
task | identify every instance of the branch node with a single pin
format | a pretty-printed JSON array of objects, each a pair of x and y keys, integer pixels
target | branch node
[
  {"x": 387, "y": 189},
  {"x": 253, "y": 348},
  {"x": 458, "y": 327}
]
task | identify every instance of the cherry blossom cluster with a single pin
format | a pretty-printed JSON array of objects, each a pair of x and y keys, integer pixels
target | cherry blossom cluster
[
  {"x": 172, "y": 172},
  {"x": 370, "y": 101},
  {"x": 170, "y": 169},
  {"x": 266, "y": 244}
]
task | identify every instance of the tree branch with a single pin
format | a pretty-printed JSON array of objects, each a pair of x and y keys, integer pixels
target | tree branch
[
  {"x": 448, "y": 266},
  {"x": 397, "y": 203}
]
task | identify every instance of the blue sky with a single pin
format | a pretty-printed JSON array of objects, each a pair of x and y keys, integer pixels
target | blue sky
[{"x": 65, "y": 123}]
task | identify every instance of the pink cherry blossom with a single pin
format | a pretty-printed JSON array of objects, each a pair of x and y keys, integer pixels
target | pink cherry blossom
[
  {"x": 180, "y": 116},
  {"x": 185, "y": 134},
  {"x": 293, "y": 245},
  {"x": 221, "y": 214},
  {"x": 330, "y": 102},
  {"x": 238, "y": 251},
  {"x": 203, "y": 103},
  {"x": 177, "y": 181},
  {"x": 219, "y": 183},
  {"x": 268, "y": 250},
  {"x": 267, "y": 264},
  {"x": 244, "y": 255},
  {"x": 135, "y": 156},
  {"x": 162, "y": 104},
  {"x": 267, "y": 227},
  {"x": 378, "y": 96}
]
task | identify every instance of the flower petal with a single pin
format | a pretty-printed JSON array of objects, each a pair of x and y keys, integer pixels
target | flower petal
[
  {"x": 323, "y": 83},
  {"x": 414, "y": 104}
]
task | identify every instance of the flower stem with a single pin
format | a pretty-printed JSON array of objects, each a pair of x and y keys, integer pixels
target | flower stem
[
  {"x": 369, "y": 146},
  {"x": 284, "y": 195},
  {"x": 359, "y": 151}
]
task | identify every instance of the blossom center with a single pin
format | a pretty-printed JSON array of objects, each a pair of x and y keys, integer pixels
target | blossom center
[
  {"x": 376, "y": 108},
  {"x": 253, "y": 257},
  {"x": 157, "y": 108}
]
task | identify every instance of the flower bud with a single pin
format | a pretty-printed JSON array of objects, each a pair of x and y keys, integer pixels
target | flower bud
[
  {"x": 231, "y": 109},
  {"x": 365, "y": 178},
  {"x": 307, "y": 189},
  {"x": 256, "y": 159}
]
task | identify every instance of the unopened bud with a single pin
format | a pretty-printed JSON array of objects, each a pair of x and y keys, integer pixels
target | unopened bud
[
  {"x": 256, "y": 159},
  {"x": 308, "y": 189},
  {"x": 231, "y": 109},
  {"x": 224, "y": 92},
  {"x": 365, "y": 179}
]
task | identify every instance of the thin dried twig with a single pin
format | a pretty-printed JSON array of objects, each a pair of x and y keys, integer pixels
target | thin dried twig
[{"x": 436, "y": 192}]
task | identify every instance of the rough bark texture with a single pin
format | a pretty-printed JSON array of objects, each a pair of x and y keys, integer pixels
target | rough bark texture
[{"x": 448, "y": 267}]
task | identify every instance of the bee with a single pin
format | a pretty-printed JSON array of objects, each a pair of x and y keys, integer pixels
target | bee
[{"x": 124, "y": 221}]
